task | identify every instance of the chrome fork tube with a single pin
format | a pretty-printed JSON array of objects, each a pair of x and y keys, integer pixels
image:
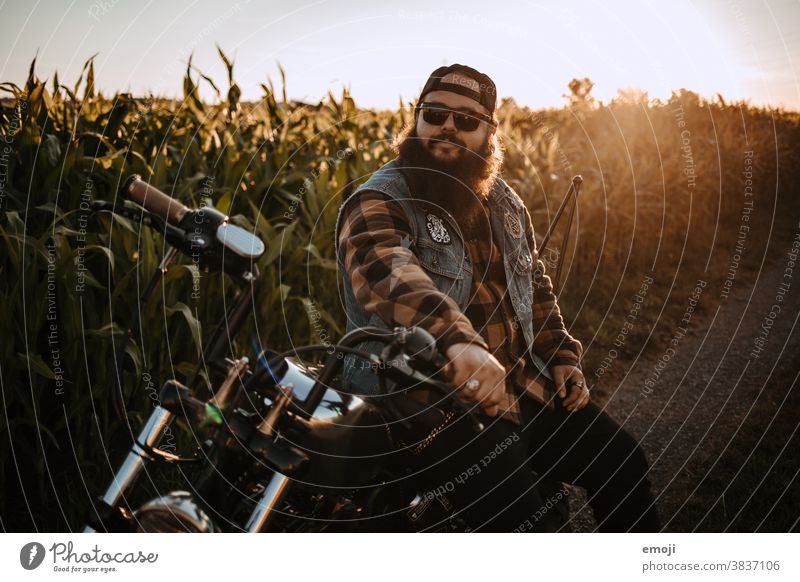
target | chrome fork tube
[
  {"x": 272, "y": 496},
  {"x": 149, "y": 437}
]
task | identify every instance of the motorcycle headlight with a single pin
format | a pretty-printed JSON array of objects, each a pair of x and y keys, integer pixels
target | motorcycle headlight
[{"x": 176, "y": 512}]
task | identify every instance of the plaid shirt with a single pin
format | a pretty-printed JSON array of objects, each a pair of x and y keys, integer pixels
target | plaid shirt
[{"x": 387, "y": 279}]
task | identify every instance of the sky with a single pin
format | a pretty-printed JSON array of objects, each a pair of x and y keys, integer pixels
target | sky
[{"x": 384, "y": 51}]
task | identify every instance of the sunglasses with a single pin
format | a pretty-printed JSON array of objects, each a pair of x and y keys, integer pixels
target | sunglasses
[{"x": 437, "y": 115}]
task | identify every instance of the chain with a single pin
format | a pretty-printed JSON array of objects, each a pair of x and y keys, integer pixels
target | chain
[{"x": 432, "y": 435}]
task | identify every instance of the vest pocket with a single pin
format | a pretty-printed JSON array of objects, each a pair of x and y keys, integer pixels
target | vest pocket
[
  {"x": 441, "y": 260},
  {"x": 451, "y": 274}
]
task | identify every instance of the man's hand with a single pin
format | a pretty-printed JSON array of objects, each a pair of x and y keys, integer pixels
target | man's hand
[
  {"x": 571, "y": 385},
  {"x": 471, "y": 363}
]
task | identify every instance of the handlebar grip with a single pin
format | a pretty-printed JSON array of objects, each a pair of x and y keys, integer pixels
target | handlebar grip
[{"x": 154, "y": 200}]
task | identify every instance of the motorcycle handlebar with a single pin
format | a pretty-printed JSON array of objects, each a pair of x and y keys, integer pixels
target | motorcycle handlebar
[
  {"x": 415, "y": 342},
  {"x": 154, "y": 200}
]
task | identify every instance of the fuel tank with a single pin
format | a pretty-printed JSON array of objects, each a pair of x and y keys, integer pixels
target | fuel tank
[{"x": 348, "y": 443}]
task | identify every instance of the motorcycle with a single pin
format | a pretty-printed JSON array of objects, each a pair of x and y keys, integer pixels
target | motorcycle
[{"x": 281, "y": 447}]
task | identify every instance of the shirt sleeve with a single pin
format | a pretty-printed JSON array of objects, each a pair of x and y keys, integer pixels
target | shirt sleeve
[
  {"x": 551, "y": 341},
  {"x": 376, "y": 250}
]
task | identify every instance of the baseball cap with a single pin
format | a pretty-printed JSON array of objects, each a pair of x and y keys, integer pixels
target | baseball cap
[{"x": 463, "y": 82}]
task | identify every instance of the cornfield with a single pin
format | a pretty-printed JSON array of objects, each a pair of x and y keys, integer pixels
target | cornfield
[{"x": 663, "y": 194}]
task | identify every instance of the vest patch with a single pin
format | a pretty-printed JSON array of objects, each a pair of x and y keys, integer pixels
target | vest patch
[
  {"x": 513, "y": 225},
  {"x": 437, "y": 229}
]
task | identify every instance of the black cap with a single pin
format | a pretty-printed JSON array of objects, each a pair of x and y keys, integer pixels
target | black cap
[{"x": 486, "y": 96}]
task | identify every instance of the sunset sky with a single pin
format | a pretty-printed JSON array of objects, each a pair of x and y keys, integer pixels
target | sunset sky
[{"x": 385, "y": 50}]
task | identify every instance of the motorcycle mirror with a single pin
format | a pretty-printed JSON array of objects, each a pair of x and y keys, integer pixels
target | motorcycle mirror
[{"x": 240, "y": 242}]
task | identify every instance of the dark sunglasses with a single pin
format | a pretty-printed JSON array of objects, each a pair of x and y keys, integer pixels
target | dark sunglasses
[{"x": 437, "y": 115}]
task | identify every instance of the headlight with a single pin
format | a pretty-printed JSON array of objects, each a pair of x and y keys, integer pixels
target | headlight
[{"x": 176, "y": 512}]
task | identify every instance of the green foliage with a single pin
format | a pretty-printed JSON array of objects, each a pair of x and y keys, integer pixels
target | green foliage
[{"x": 70, "y": 281}]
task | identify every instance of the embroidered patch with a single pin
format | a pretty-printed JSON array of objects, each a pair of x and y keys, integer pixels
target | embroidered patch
[
  {"x": 513, "y": 225},
  {"x": 436, "y": 228},
  {"x": 537, "y": 275}
]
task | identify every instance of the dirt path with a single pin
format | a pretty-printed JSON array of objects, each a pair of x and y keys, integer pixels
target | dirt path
[{"x": 687, "y": 406}]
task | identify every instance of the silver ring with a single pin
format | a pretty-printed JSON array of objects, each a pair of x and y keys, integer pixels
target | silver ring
[
  {"x": 579, "y": 384},
  {"x": 472, "y": 384}
]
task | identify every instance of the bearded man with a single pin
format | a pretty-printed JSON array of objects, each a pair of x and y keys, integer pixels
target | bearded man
[{"x": 436, "y": 239}]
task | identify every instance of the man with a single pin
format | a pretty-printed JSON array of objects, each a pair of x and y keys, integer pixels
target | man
[{"x": 437, "y": 239}]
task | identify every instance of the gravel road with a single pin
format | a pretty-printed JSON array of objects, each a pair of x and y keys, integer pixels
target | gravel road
[{"x": 687, "y": 399}]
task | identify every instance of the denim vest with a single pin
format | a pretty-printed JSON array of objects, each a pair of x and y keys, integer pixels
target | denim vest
[{"x": 439, "y": 246}]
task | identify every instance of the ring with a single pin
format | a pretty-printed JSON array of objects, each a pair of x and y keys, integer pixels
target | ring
[
  {"x": 579, "y": 384},
  {"x": 472, "y": 384}
]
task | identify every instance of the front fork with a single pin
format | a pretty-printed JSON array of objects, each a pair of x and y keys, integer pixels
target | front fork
[
  {"x": 140, "y": 452},
  {"x": 278, "y": 485},
  {"x": 274, "y": 493},
  {"x": 144, "y": 448}
]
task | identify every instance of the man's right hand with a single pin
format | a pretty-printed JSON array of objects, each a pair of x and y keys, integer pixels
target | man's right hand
[{"x": 472, "y": 362}]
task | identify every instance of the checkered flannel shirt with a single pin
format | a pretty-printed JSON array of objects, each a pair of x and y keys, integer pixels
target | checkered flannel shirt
[{"x": 378, "y": 254}]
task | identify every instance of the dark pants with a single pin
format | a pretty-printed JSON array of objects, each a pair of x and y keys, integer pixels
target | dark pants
[{"x": 493, "y": 478}]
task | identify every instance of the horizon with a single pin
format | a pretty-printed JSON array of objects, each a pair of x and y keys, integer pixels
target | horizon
[{"x": 742, "y": 51}]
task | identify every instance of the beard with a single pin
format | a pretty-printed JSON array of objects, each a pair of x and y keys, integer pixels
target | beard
[{"x": 460, "y": 184}]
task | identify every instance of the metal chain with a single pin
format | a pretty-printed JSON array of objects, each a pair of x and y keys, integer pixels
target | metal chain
[{"x": 432, "y": 435}]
